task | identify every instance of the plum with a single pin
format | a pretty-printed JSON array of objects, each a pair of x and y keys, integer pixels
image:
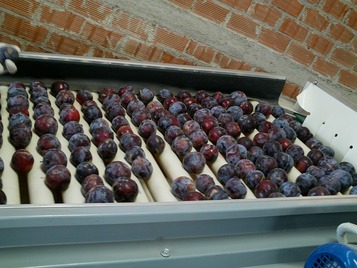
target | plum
[
  {"x": 313, "y": 143},
  {"x": 233, "y": 129},
  {"x": 92, "y": 113},
  {"x": 245, "y": 141},
  {"x": 198, "y": 138},
  {"x": 343, "y": 177},
  {"x": 347, "y": 166},
  {"x": 194, "y": 162},
  {"x": 235, "y": 188},
  {"x": 306, "y": 182},
  {"x": 277, "y": 175},
  {"x": 78, "y": 139},
  {"x": 328, "y": 164},
  {"x": 146, "y": 95},
  {"x": 183, "y": 94},
  {"x": 183, "y": 118},
  {"x": 271, "y": 147},
  {"x": 107, "y": 150},
  {"x": 141, "y": 168},
  {"x": 327, "y": 150},
  {"x": 253, "y": 178},
  {"x": 68, "y": 114},
  {"x": 20, "y": 136},
  {"x": 224, "y": 119},
  {"x": 3, "y": 197},
  {"x": 22, "y": 161},
  {"x": 295, "y": 151},
  {"x": 216, "y": 111},
  {"x": 226, "y": 102},
  {"x": 177, "y": 108},
  {"x": 83, "y": 95},
  {"x": 133, "y": 153},
  {"x": 289, "y": 189},
  {"x": 155, "y": 144},
  {"x": 209, "y": 102},
  {"x": 216, "y": 192},
  {"x": 58, "y": 178},
  {"x": 260, "y": 139},
  {"x": 193, "y": 196},
  {"x": 315, "y": 155},
  {"x": 116, "y": 169},
  {"x": 169, "y": 101},
  {"x": 235, "y": 152},
  {"x": 201, "y": 94},
  {"x": 215, "y": 133},
  {"x": 46, "y": 142},
  {"x": 71, "y": 128},
  {"x": 276, "y": 195},
  {"x": 139, "y": 116},
  {"x": 236, "y": 112},
  {"x": 290, "y": 133},
  {"x": 85, "y": 169},
  {"x": 190, "y": 126},
  {"x": 315, "y": 171},
  {"x": 276, "y": 133},
  {"x": 203, "y": 181},
  {"x": 101, "y": 134},
  {"x": 124, "y": 89},
  {"x": 247, "y": 107},
  {"x": 17, "y": 100},
  {"x": 112, "y": 111},
  {"x": 188, "y": 101},
  {"x": 208, "y": 123},
  {"x": 45, "y": 124},
  {"x": 171, "y": 133},
  {"x": 42, "y": 108},
  {"x": 304, "y": 134},
  {"x": 277, "y": 111},
  {"x": 285, "y": 143},
  {"x": 353, "y": 191},
  {"x": 53, "y": 157},
  {"x": 147, "y": 128},
  {"x": 117, "y": 122},
  {"x": 181, "y": 186},
  {"x": 264, "y": 126},
  {"x": 124, "y": 130},
  {"x": 110, "y": 100},
  {"x": 125, "y": 190},
  {"x": 254, "y": 152},
  {"x": 302, "y": 163},
  {"x": 163, "y": 94},
  {"x": 166, "y": 121},
  {"x": 265, "y": 163},
  {"x": 332, "y": 184},
  {"x": 247, "y": 124},
  {"x": 89, "y": 182},
  {"x": 318, "y": 191},
  {"x": 181, "y": 145},
  {"x": 64, "y": 96},
  {"x": 280, "y": 122},
  {"x": 284, "y": 161},
  {"x": 105, "y": 92},
  {"x": 264, "y": 108},
  {"x": 226, "y": 172},
  {"x": 264, "y": 188},
  {"x": 210, "y": 152},
  {"x": 224, "y": 142},
  {"x": 134, "y": 105},
  {"x": 99, "y": 194},
  {"x": 200, "y": 114},
  {"x": 58, "y": 86}
]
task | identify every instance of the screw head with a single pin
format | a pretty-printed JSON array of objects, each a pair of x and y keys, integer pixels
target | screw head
[{"x": 165, "y": 253}]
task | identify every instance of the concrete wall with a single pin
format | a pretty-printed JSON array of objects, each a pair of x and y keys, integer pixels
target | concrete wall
[{"x": 312, "y": 39}]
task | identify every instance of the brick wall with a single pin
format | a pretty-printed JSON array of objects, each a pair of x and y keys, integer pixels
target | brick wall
[{"x": 319, "y": 35}]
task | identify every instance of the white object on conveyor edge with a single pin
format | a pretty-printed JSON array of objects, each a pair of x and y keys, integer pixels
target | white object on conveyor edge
[
  {"x": 343, "y": 229},
  {"x": 331, "y": 121}
]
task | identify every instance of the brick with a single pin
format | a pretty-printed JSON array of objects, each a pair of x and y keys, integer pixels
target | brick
[
  {"x": 348, "y": 79},
  {"x": 315, "y": 19},
  {"x": 335, "y": 8},
  {"x": 243, "y": 25},
  {"x": 168, "y": 58},
  {"x": 319, "y": 43},
  {"x": 291, "y": 28},
  {"x": 67, "y": 45},
  {"x": 273, "y": 39},
  {"x": 141, "y": 51},
  {"x": 10, "y": 40},
  {"x": 90, "y": 9},
  {"x": 23, "y": 28},
  {"x": 103, "y": 53},
  {"x": 221, "y": 59},
  {"x": 200, "y": 52},
  {"x": 344, "y": 57},
  {"x": 292, "y": 7},
  {"x": 100, "y": 35},
  {"x": 352, "y": 20},
  {"x": 266, "y": 14},
  {"x": 314, "y": 2},
  {"x": 210, "y": 10},
  {"x": 187, "y": 4},
  {"x": 325, "y": 68},
  {"x": 291, "y": 90},
  {"x": 22, "y": 7},
  {"x": 170, "y": 39},
  {"x": 61, "y": 19},
  {"x": 238, "y": 65},
  {"x": 241, "y": 5},
  {"x": 129, "y": 23},
  {"x": 300, "y": 54},
  {"x": 34, "y": 48},
  {"x": 341, "y": 33}
]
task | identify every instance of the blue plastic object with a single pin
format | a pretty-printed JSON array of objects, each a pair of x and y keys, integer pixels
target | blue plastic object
[{"x": 333, "y": 255}]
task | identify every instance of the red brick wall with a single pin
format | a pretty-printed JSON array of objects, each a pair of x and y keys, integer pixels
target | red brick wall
[{"x": 318, "y": 34}]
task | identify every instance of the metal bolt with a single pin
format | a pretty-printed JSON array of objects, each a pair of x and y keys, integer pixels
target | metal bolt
[
  {"x": 315, "y": 82},
  {"x": 165, "y": 253}
]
